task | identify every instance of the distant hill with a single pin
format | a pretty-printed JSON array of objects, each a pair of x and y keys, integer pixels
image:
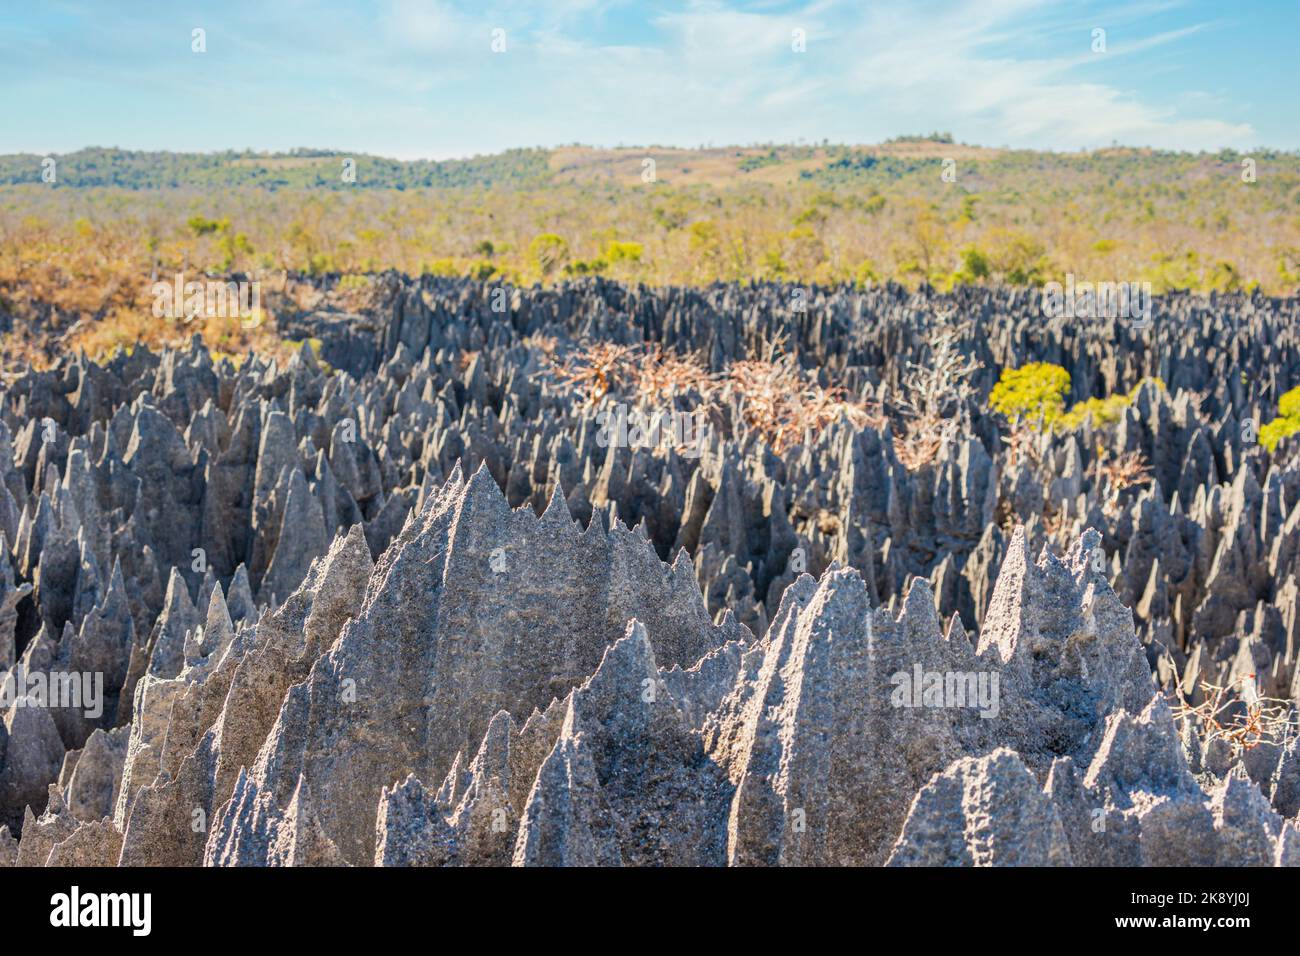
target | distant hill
[
  {"x": 917, "y": 209},
  {"x": 300, "y": 169},
  {"x": 826, "y": 164}
]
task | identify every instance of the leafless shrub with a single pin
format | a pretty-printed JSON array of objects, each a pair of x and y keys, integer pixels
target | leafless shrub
[
  {"x": 595, "y": 370},
  {"x": 784, "y": 402},
  {"x": 1264, "y": 720},
  {"x": 664, "y": 374},
  {"x": 772, "y": 393},
  {"x": 931, "y": 395},
  {"x": 1118, "y": 473},
  {"x": 1024, "y": 449}
]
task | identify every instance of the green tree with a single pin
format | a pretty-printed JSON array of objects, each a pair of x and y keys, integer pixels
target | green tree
[
  {"x": 548, "y": 252},
  {"x": 1035, "y": 391},
  {"x": 1287, "y": 423}
]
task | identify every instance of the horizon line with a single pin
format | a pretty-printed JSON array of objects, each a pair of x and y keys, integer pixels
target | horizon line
[{"x": 308, "y": 152}]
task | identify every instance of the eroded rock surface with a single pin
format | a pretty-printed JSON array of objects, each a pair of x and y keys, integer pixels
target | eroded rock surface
[{"x": 399, "y": 602}]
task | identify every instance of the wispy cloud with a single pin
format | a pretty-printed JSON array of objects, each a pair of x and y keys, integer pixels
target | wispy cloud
[
  {"x": 418, "y": 77},
  {"x": 940, "y": 62}
]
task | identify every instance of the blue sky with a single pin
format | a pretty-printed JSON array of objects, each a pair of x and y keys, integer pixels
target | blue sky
[{"x": 419, "y": 78}]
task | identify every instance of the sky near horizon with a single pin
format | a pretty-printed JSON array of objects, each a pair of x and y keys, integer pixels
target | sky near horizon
[{"x": 421, "y": 78}]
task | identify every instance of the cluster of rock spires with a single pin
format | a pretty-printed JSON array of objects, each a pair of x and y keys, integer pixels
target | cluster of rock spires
[{"x": 321, "y": 643}]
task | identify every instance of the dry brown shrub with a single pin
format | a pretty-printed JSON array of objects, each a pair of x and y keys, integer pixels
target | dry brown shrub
[
  {"x": 595, "y": 370},
  {"x": 930, "y": 394},
  {"x": 90, "y": 288},
  {"x": 1266, "y": 719},
  {"x": 774, "y": 396},
  {"x": 664, "y": 374},
  {"x": 546, "y": 344},
  {"x": 1024, "y": 444},
  {"x": 1054, "y": 521},
  {"x": 785, "y": 404},
  {"x": 225, "y": 337},
  {"x": 1119, "y": 473}
]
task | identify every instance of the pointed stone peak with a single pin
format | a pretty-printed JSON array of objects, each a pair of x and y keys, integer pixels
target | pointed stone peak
[
  {"x": 628, "y": 662},
  {"x": 556, "y": 514},
  {"x": 1142, "y": 752},
  {"x": 205, "y": 589},
  {"x": 177, "y": 599},
  {"x": 116, "y": 584},
  {"x": 919, "y": 612},
  {"x": 239, "y": 600},
  {"x": 1085, "y": 559},
  {"x": 956, "y": 630},
  {"x": 492, "y": 761},
  {"x": 1013, "y": 613},
  {"x": 217, "y": 621},
  {"x": 982, "y": 811},
  {"x": 797, "y": 596},
  {"x": 838, "y": 582},
  {"x": 540, "y": 717}
]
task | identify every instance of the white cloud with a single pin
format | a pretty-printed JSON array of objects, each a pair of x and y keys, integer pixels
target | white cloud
[
  {"x": 717, "y": 73},
  {"x": 428, "y": 25},
  {"x": 936, "y": 65},
  {"x": 416, "y": 77}
]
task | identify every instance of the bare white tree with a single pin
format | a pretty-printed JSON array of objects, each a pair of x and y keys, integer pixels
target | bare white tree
[{"x": 931, "y": 397}]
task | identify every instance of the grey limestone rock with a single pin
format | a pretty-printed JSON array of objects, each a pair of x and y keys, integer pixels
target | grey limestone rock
[{"x": 323, "y": 642}]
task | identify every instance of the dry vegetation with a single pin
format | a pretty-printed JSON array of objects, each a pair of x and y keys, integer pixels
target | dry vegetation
[
  {"x": 1117, "y": 473},
  {"x": 784, "y": 403},
  {"x": 776, "y": 398},
  {"x": 931, "y": 399},
  {"x": 1236, "y": 712},
  {"x": 826, "y": 214},
  {"x": 87, "y": 289}
]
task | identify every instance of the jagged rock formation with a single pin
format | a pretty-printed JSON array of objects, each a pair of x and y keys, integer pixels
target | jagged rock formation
[
  {"x": 982, "y": 811},
  {"x": 319, "y": 642}
]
